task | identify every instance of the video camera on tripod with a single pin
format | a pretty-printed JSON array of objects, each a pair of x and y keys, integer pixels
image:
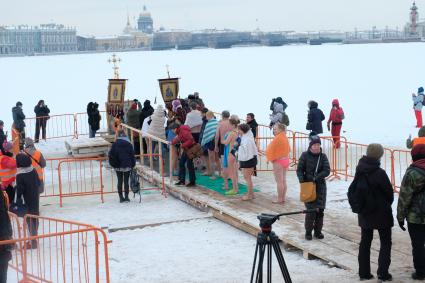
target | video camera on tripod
[{"x": 267, "y": 238}]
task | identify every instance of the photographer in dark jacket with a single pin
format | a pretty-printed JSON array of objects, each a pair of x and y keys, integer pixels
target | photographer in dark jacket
[
  {"x": 27, "y": 184},
  {"x": 374, "y": 182},
  {"x": 122, "y": 159},
  {"x": 5, "y": 234},
  {"x": 94, "y": 118},
  {"x": 146, "y": 112},
  {"x": 314, "y": 118},
  {"x": 42, "y": 115},
  {"x": 306, "y": 172}
]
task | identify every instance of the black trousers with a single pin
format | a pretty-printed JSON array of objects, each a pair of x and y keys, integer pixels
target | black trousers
[
  {"x": 21, "y": 139},
  {"x": 32, "y": 224},
  {"x": 384, "y": 259},
  {"x": 3, "y": 272},
  {"x": 314, "y": 221},
  {"x": 123, "y": 177},
  {"x": 10, "y": 190},
  {"x": 40, "y": 124},
  {"x": 417, "y": 237},
  {"x": 182, "y": 168}
]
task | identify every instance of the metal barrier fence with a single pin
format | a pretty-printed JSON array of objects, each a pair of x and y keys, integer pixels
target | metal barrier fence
[
  {"x": 63, "y": 126},
  {"x": 63, "y": 251},
  {"x": 343, "y": 160}
]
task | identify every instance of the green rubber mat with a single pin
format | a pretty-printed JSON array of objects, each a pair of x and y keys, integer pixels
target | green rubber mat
[{"x": 217, "y": 184}]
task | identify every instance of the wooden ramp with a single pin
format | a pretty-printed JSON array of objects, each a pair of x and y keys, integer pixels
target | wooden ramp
[{"x": 342, "y": 234}]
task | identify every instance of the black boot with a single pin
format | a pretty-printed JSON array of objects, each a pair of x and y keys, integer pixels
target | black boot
[
  {"x": 126, "y": 198},
  {"x": 308, "y": 236},
  {"x": 121, "y": 197},
  {"x": 385, "y": 277},
  {"x": 418, "y": 276}
]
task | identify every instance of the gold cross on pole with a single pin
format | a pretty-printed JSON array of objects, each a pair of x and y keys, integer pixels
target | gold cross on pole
[
  {"x": 115, "y": 60},
  {"x": 168, "y": 70}
]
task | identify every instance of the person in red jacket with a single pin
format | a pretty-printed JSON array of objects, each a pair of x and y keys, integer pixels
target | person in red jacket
[
  {"x": 185, "y": 139},
  {"x": 335, "y": 117},
  {"x": 8, "y": 171}
]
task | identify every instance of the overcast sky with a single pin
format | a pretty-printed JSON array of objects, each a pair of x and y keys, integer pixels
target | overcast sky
[{"x": 108, "y": 17}]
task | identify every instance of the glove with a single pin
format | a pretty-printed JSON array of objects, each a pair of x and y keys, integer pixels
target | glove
[{"x": 401, "y": 224}]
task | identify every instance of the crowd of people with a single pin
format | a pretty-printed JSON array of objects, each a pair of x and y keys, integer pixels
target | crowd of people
[{"x": 227, "y": 146}]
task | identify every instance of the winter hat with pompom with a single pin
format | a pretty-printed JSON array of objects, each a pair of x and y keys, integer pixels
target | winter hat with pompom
[{"x": 375, "y": 150}]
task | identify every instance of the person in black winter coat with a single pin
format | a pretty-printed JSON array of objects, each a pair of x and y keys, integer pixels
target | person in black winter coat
[
  {"x": 94, "y": 118},
  {"x": 250, "y": 120},
  {"x": 5, "y": 234},
  {"x": 314, "y": 118},
  {"x": 3, "y": 137},
  {"x": 42, "y": 115},
  {"x": 147, "y": 111},
  {"x": 19, "y": 123},
  {"x": 27, "y": 184},
  {"x": 122, "y": 159},
  {"x": 306, "y": 172},
  {"x": 369, "y": 176}
]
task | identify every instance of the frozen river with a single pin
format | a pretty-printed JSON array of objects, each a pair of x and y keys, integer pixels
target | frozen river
[{"x": 373, "y": 82}]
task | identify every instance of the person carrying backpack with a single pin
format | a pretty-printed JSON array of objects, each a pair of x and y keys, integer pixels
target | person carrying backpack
[
  {"x": 418, "y": 103},
  {"x": 411, "y": 207},
  {"x": 335, "y": 117},
  {"x": 122, "y": 159},
  {"x": 370, "y": 196}
]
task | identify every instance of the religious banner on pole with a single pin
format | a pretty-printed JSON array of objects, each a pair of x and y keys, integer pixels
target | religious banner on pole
[{"x": 169, "y": 88}]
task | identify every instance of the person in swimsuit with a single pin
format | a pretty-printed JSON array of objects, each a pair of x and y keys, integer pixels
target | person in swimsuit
[{"x": 229, "y": 157}]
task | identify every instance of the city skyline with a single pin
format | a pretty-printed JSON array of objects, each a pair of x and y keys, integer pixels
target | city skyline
[{"x": 102, "y": 18}]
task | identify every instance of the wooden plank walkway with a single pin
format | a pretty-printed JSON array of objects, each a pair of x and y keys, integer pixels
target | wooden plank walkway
[{"x": 342, "y": 234}]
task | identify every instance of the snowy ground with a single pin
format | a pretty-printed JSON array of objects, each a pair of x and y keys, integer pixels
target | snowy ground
[
  {"x": 191, "y": 247},
  {"x": 373, "y": 82}
]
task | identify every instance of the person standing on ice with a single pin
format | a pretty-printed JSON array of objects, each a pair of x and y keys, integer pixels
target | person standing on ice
[
  {"x": 278, "y": 107},
  {"x": 418, "y": 103},
  {"x": 19, "y": 123},
  {"x": 42, "y": 115},
  {"x": 314, "y": 118},
  {"x": 335, "y": 117},
  {"x": 122, "y": 159},
  {"x": 93, "y": 118},
  {"x": 371, "y": 183},
  {"x": 313, "y": 166}
]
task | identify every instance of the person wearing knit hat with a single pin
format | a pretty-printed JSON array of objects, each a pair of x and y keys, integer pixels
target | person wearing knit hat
[
  {"x": 7, "y": 146},
  {"x": 418, "y": 103},
  {"x": 313, "y": 166},
  {"x": 37, "y": 160},
  {"x": 419, "y": 140},
  {"x": 410, "y": 208},
  {"x": 371, "y": 183},
  {"x": 27, "y": 186}
]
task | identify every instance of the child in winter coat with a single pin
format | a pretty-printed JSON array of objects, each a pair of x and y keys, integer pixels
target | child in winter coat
[{"x": 306, "y": 172}]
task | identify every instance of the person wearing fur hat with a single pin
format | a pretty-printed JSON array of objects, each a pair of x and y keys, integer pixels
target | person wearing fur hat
[
  {"x": 27, "y": 186},
  {"x": 371, "y": 182},
  {"x": 410, "y": 208},
  {"x": 419, "y": 140},
  {"x": 313, "y": 166},
  {"x": 7, "y": 170},
  {"x": 418, "y": 103}
]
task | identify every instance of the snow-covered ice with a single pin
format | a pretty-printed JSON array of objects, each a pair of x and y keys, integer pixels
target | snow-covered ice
[{"x": 374, "y": 82}]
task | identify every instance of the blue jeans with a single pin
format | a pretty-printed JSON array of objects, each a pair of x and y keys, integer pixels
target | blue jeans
[
  {"x": 182, "y": 168},
  {"x": 92, "y": 133}
]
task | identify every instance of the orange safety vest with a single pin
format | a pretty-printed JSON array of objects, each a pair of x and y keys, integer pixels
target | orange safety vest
[
  {"x": 6, "y": 174},
  {"x": 420, "y": 140},
  {"x": 35, "y": 160},
  {"x": 15, "y": 141}
]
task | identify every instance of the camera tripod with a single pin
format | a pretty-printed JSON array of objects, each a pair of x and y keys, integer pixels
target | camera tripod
[{"x": 268, "y": 239}]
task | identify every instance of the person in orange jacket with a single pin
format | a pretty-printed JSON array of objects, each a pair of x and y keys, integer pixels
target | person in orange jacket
[
  {"x": 277, "y": 152},
  {"x": 8, "y": 171}
]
